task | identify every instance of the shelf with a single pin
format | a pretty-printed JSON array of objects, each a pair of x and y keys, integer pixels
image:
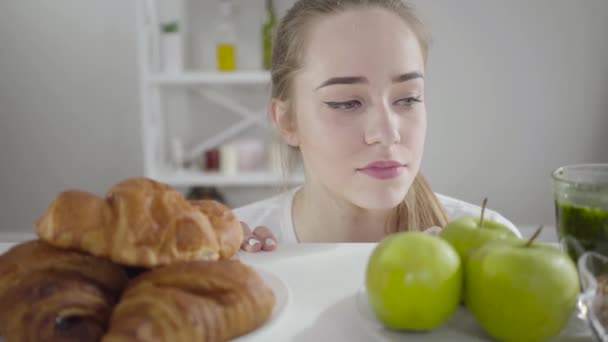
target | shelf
[
  {"x": 186, "y": 178},
  {"x": 210, "y": 77}
]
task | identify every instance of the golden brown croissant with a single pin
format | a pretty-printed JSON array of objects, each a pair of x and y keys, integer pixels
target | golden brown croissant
[
  {"x": 50, "y": 294},
  {"x": 192, "y": 301},
  {"x": 225, "y": 224},
  {"x": 140, "y": 223}
]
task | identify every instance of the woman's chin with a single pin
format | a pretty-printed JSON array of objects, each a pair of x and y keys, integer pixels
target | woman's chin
[{"x": 379, "y": 199}]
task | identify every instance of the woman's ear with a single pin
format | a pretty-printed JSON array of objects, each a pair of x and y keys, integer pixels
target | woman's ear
[{"x": 284, "y": 122}]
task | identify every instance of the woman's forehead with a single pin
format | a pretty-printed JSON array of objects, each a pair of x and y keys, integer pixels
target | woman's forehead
[{"x": 365, "y": 42}]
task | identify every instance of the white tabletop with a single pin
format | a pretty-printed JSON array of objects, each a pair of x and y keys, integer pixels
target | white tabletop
[{"x": 323, "y": 280}]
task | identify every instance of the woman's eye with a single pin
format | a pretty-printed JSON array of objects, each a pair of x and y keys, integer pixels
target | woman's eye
[
  {"x": 409, "y": 101},
  {"x": 347, "y": 105}
]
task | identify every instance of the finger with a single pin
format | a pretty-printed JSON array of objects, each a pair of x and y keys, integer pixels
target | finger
[
  {"x": 250, "y": 242},
  {"x": 269, "y": 242},
  {"x": 433, "y": 230},
  {"x": 246, "y": 230}
]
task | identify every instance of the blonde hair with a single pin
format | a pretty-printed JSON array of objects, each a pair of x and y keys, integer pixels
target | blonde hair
[{"x": 420, "y": 208}]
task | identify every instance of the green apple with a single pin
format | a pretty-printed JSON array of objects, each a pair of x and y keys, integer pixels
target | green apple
[
  {"x": 469, "y": 233},
  {"x": 413, "y": 281},
  {"x": 519, "y": 290}
]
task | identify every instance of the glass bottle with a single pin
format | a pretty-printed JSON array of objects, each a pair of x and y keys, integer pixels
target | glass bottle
[
  {"x": 268, "y": 32},
  {"x": 226, "y": 38}
]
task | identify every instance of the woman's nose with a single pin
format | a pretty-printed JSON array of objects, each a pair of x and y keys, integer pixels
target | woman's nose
[{"x": 382, "y": 127}]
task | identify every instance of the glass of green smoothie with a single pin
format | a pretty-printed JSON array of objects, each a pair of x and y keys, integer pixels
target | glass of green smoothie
[{"x": 581, "y": 203}]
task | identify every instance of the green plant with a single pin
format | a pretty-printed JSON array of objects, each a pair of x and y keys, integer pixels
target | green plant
[{"x": 170, "y": 27}]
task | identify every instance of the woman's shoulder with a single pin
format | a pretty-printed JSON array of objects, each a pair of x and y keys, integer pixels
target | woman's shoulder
[
  {"x": 255, "y": 211},
  {"x": 456, "y": 208},
  {"x": 273, "y": 213}
]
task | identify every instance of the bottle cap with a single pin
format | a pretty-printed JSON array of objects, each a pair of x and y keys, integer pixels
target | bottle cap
[{"x": 225, "y": 8}]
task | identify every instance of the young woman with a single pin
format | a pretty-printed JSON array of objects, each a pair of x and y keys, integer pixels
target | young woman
[{"x": 348, "y": 98}]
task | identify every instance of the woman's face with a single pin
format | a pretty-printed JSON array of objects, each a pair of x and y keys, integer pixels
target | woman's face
[{"x": 360, "y": 118}]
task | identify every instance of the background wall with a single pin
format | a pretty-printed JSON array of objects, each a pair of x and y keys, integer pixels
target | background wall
[{"x": 515, "y": 89}]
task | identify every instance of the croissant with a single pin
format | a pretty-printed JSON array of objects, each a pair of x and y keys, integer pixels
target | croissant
[
  {"x": 50, "y": 294},
  {"x": 225, "y": 224},
  {"x": 203, "y": 301},
  {"x": 139, "y": 223}
]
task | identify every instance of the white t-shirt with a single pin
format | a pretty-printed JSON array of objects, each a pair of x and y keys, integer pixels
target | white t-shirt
[{"x": 276, "y": 214}]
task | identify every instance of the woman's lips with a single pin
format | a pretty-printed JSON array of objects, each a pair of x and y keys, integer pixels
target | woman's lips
[{"x": 384, "y": 169}]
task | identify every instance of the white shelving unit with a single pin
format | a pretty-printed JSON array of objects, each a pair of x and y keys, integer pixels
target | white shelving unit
[
  {"x": 208, "y": 84},
  {"x": 210, "y": 78},
  {"x": 187, "y": 178}
]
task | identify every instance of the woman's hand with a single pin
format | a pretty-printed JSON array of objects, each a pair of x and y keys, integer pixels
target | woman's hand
[
  {"x": 261, "y": 239},
  {"x": 433, "y": 230}
]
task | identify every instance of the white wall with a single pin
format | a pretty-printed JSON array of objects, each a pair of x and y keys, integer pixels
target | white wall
[
  {"x": 69, "y": 106},
  {"x": 515, "y": 88}
]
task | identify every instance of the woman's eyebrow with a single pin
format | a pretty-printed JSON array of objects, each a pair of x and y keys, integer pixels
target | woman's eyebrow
[
  {"x": 407, "y": 76},
  {"x": 343, "y": 80},
  {"x": 360, "y": 79}
]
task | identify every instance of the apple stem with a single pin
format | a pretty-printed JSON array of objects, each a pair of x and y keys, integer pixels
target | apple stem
[
  {"x": 483, "y": 210},
  {"x": 534, "y": 236}
]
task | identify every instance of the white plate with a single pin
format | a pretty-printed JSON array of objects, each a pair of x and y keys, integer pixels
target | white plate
[
  {"x": 462, "y": 326},
  {"x": 282, "y": 299}
]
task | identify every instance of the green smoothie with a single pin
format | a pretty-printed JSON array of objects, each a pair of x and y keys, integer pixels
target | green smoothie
[{"x": 582, "y": 229}]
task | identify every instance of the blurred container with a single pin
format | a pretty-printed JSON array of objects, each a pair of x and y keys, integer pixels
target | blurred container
[
  {"x": 268, "y": 30},
  {"x": 206, "y": 193},
  {"x": 251, "y": 155},
  {"x": 593, "y": 304},
  {"x": 229, "y": 161},
  {"x": 212, "y": 160},
  {"x": 226, "y": 37},
  {"x": 177, "y": 153},
  {"x": 171, "y": 44},
  {"x": 581, "y": 207}
]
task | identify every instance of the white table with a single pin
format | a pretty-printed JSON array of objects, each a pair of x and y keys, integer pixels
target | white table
[{"x": 323, "y": 280}]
